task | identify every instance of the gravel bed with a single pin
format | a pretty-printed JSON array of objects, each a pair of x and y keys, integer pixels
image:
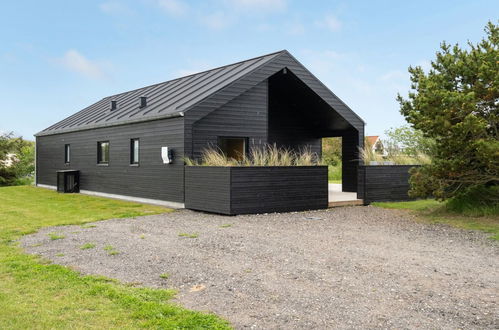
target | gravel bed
[{"x": 352, "y": 267}]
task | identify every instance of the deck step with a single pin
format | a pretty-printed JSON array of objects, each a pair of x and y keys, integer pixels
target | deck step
[{"x": 346, "y": 203}]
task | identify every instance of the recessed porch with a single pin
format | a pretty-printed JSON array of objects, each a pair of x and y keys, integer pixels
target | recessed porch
[{"x": 338, "y": 197}]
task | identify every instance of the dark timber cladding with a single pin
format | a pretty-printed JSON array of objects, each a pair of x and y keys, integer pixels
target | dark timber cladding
[
  {"x": 243, "y": 116},
  {"x": 150, "y": 179},
  {"x": 243, "y": 190},
  {"x": 265, "y": 100},
  {"x": 384, "y": 183}
]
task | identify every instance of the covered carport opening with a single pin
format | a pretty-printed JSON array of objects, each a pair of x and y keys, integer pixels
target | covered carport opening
[{"x": 299, "y": 118}]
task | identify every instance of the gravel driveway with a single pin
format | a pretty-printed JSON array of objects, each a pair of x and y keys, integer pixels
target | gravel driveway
[{"x": 355, "y": 267}]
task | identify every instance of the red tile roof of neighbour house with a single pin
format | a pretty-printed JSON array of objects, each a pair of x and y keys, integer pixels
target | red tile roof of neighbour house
[{"x": 372, "y": 139}]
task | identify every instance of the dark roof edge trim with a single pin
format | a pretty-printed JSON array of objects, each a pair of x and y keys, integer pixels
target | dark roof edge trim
[
  {"x": 235, "y": 81},
  {"x": 327, "y": 88},
  {"x": 103, "y": 125}
]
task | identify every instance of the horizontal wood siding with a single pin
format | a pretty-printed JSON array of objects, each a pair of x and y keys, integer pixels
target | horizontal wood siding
[
  {"x": 351, "y": 140},
  {"x": 384, "y": 183},
  {"x": 244, "y": 116},
  {"x": 289, "y": 120},
  {"x": 246, "y": 190},
  {"x": 207, "y": 188},
  {"x": 151, "y": 179},
  {"x": 278, "y": 189}
]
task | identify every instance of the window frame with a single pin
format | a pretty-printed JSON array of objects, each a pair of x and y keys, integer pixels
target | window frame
[
  {"x": 133, "y": 161},
  {"x": 100, "y": 157},
  {"x": 244, "y": 138},
  {"x": 67, "y": 153}
]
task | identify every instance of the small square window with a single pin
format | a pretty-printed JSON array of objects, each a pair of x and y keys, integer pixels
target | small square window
[
  {"x": 103, "y": 152},
  {"x": 134, "y": 151},
  {"x": 233, "y": 147},
  {"x": 67, "y": 154}
]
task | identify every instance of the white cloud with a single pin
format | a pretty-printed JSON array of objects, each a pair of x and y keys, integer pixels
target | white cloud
[
  {"x": 395, "y": 80},
  {"x": 263, "y": 27},
  {"x": 330, "y": 22},
  {"x": 194, "y": 66},
  {"x": 393, "y": 75},
  {"x": 323, "y": 62},
  {"x": 76, "y": 62},
  {"x": 217, "y": 21},
  {"x": 260, "y": 5},
  {"x": 296, "y": 29},
  {"x": 114, "y": 8},
  {"x": 173, "y": 7}
]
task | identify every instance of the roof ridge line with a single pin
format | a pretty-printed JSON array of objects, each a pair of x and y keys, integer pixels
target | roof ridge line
[{"x": 193, "y": 74}]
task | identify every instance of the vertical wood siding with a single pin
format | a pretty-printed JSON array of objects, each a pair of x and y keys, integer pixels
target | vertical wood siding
[
  {"x": 151, "y": 179},
  {"x": 352, "y": 140}
]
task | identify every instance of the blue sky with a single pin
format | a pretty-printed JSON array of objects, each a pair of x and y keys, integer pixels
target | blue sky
[{"x": 57, "y": 57}]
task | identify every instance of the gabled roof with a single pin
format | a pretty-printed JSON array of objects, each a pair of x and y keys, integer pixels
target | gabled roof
[
  {"x": 167, "y": 99},
  {"x": 198, "y": 91},
  {"x": 372, "y": 139}
]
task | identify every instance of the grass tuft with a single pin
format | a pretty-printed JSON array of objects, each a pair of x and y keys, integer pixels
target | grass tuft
[
  {"x": 194, "y": 235},
  {"x": 54, "y": 236},
  {"x": 87, "y": 246},
  {"x": 477, "y": 201},
  {"x": 432, "y": 211},
  {"x": 227, "y": 225},
  {"x": 111, "y": 250},
  {"x": 164, "y": 276}
]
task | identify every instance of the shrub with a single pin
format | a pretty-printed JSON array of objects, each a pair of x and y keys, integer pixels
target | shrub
[{"x": 476, "y": 201}]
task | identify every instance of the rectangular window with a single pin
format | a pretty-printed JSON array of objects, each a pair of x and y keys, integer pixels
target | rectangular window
[
  {"x": 103, "y": 152},
  {"x": 67, "y": 153},
  {"x": 233, "y": 147},
  {"x": 134, "y": 151}
]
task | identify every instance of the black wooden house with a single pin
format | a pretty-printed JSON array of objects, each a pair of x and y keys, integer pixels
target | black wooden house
[{"x": 118, "y": 144}]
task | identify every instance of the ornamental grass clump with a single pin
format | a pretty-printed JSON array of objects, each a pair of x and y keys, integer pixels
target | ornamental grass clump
[
  {"x": 269, "y": 155},
  {"x": 368, "y": 155}
]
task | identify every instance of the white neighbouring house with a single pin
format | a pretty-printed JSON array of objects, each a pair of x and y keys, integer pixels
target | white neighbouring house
[{"x": 376, "y": 144}]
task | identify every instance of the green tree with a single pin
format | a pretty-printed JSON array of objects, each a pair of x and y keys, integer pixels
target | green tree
[
  {"x": 331, "y": 151},
  {"x": 456, "y": 104},
  {"x": 17, "y": 162},
  {"x": 407, "y": 140}
]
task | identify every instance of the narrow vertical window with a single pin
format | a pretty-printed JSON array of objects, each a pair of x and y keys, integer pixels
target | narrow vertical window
[
  {"x": 134, "y": 151},
  {"x": 67, "y": 153},
  {"x": 103, "y": 152}
]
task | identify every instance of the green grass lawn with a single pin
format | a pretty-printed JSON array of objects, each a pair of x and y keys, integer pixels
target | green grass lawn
[
  {"x": 432, "y": 211},
  {"x": 37, "y": 294},
  {"x": 334, "y": 173}
]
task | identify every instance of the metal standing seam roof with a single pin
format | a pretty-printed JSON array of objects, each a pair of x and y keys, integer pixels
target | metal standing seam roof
[{"x": 167, "y": 99}]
